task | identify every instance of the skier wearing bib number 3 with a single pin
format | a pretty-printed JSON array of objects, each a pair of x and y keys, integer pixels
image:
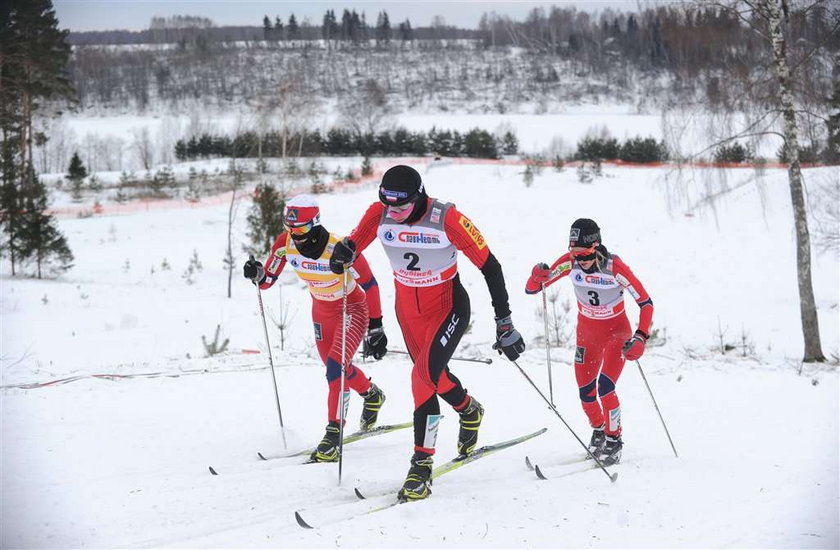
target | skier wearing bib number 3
[
  {"x": 422, "y": 236},
  {"x": 307, "y": 246},
  {"x": 603, "y": 331}
]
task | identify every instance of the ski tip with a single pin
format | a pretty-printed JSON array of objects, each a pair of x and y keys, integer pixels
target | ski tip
[
  {"x": 613, "y": 477},
  {"x": 359, "y": 493},
  {"x": 212, "y": 471},
  {"x": 489, "y": 361},
  {"x": 539, "y": 472},
  {"x": 259, "y": 454},
  {"x": 528, "y": 463},
  {"x": 301, "y": 522}
]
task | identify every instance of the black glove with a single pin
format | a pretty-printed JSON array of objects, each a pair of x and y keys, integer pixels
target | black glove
[
  {"x": 508, "y": 339},
  {"x": 254, "y": 271},
  {"x": 342, "y": 255},
  {"x": 376, "y": 343}
]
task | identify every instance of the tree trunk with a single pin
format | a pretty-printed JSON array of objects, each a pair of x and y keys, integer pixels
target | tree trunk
[
  {"x": 807, "y": 304},
  {"x": 230, "y": 235}
]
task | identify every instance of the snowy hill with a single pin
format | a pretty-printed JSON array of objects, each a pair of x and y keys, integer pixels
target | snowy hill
[{"x": 121, "y": 459}]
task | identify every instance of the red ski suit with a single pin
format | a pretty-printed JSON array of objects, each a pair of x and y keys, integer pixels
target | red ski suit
[
  {"x": 432, "y": 307},
  {"x": 602, "y": 329},
  {"x": 326, "y": 290}
]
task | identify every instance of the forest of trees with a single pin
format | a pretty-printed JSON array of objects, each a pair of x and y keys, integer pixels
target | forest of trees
[{"x": 614, "y": 52}]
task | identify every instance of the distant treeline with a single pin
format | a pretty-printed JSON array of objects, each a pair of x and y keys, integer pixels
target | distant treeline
[
  {"x": 352, "y": 26},
  {"x": 337, "y": 142}
]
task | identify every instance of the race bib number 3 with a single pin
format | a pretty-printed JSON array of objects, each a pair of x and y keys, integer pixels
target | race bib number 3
[{"x": 473, "y": 232}]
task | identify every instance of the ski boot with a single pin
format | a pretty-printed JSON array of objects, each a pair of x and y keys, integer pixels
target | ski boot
[
  {"x": 374, "y": 398},
  {"x": 418, "y": 482},
  {"x": 327, "y": 449},
  {"x": 612, "y": 450},
  {"x": 596, "y": 444},
  {"x": 470, "y": 421}
]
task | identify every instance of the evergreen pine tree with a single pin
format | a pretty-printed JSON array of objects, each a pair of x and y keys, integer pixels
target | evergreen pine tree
[
  {"x": 76, "y": 173},
  {"x": 39, "y": 234},
  {"x": 32, "y": 69},
  {"x": 293, "y": 29},
  {"x": 265, "y": 220},
  {"x": 10, "y": 208}
]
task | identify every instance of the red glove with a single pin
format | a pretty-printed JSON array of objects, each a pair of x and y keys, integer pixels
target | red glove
[
  {"x": 540, "y": 274},
  {"x": 635, "y": 346}
]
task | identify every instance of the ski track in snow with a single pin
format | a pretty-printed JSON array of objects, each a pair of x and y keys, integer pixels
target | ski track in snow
[{"x": 122, "y": 461}]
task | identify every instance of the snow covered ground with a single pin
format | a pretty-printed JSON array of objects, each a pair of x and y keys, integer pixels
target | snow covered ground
[{"x": 121, "y": 460}]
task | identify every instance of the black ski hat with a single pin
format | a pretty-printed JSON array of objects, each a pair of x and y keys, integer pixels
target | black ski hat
[
  {"x": 584, "y": 232},
  {"x": 400, "y": 185}
]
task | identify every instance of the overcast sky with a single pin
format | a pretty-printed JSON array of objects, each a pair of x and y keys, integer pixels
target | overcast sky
[{"x": 84, "y": 15}]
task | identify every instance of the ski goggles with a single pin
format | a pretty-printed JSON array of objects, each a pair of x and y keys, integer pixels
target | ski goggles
[
  {"x": 397, "y": 210},
  {"x": 301, "y": 230},
  {"x": 582, "y": 254}
]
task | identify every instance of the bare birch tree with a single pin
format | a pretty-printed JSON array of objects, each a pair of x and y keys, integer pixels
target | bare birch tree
[{"x": 779, "y": 99}]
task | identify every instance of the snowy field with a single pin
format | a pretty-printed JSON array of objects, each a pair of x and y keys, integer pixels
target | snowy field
[{"x": 121, "y": 459}]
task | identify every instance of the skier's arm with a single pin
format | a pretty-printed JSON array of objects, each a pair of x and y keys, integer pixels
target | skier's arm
[
  {"x": 628, "y": 280},
  {"x": 365, "y": 232},
  {"x": 346, "y": 250},
  {"x": 364, "y": 276},
  {"x": 468, "y": 239},
  {"x": 559, "y": 269},
  {"x": 276, "y": 261}
]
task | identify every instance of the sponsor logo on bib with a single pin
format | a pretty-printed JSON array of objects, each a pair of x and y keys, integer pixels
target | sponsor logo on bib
[{"x": 415, "y": 237}]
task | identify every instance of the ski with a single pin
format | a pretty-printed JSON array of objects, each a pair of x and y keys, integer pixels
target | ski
[
  {"x": 462, "y": 460},
  {"x": 355, "y": 436},
  {"x": 563, "y": 462},
  {"x": 386, "y": 503},
  {"x": 387, "y": 499},
  {"x": 590, "y": 466}
]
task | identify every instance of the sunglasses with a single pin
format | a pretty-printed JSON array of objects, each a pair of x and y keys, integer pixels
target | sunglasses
[{"x": 584, "y": 254}]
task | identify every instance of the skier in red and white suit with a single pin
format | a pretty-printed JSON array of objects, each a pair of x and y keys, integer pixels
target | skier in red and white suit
[
  {"x": 604, "y": 338},
  {"x": 307, "y": 246},
  {"x": 422, "y": 237}
]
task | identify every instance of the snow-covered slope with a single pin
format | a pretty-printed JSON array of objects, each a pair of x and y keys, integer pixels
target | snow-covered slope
[{"x": 106, "y": 462}]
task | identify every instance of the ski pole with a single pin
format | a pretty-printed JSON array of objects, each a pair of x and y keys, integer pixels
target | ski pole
[
  {"x": 486, "y": 361},
  {"x": 657, "y": 409},
  {"x": 343, "y": 372},
  {"x": 547, "y": 345},
  {"x": 600, "y": 464},
  {"x": 271, "y": 362}
]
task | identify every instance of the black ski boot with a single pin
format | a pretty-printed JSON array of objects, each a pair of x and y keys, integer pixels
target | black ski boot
[
  {"x": 418, "y": 482},
  {"x": 596, "y": 444},
  {"x": 374, "y": 398},
  {"x": 327, "y": 450},
  {"x": 612, "y": 450},
  {"x": 470, "y": 421}
]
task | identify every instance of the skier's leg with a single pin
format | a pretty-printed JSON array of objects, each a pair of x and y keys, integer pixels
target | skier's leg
[
  {"x": 442, "y": 346},
  {"x": 588, "y": 355},
  {"x": 331, "y": 331},
  {"x": 613, "y": 364}
]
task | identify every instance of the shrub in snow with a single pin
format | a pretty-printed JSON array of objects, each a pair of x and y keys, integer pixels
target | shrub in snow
[{"x": 214, "y": 347}]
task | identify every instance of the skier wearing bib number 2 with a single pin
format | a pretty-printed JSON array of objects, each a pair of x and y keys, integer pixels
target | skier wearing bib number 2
[
  {"x": 421, "y": 236},
  {"x": 603, "y": 331}
]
